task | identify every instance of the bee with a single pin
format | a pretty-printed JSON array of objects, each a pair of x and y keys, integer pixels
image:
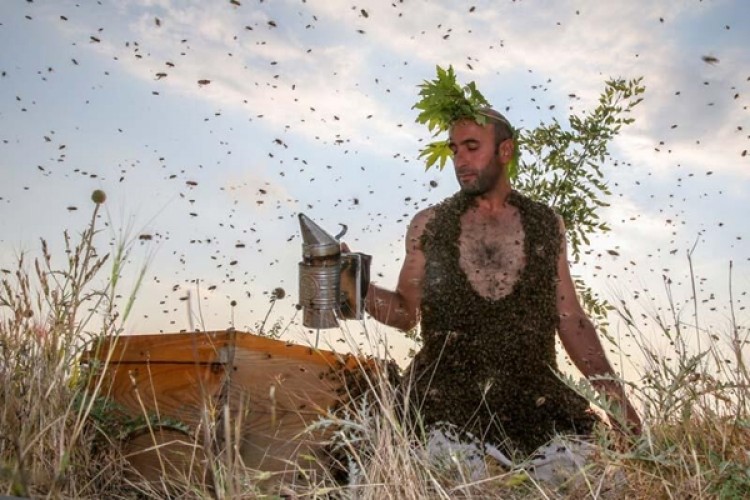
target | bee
[{"x": 710, "y": 59}]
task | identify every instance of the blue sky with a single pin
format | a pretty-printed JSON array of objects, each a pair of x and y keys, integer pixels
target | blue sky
[{"x": 308, "y": 110}]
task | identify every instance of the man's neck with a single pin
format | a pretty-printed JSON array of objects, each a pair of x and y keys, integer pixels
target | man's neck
[{"x": 496, "y": 200}]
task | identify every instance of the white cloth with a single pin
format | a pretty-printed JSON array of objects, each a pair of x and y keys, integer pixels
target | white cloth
[{"x": 553, "y": 464}]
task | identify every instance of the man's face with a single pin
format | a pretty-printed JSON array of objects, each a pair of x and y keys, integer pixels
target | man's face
[{"x": 475, "y": 157}]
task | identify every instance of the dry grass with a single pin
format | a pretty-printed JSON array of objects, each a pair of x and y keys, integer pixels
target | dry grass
[
  {"x": 60, "y": 438},
  {"x": 48, "y": 445}
]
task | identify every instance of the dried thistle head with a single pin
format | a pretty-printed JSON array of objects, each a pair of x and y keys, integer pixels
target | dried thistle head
[{"x": 98, "y": 196}]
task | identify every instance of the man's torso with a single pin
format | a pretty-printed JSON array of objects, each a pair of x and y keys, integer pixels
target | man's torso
[
  {"x": 492, "y": 251},
  {"x": 488, "y": 323}
]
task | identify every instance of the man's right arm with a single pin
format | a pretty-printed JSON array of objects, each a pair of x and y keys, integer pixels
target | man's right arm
[{"x": 400, "y": 308}]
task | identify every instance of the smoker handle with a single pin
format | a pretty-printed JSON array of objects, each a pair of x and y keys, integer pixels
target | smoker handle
[{"x": 355, "y": 280}]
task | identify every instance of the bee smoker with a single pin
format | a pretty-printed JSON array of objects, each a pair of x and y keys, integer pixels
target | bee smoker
[{"x": 332, "y": 283}]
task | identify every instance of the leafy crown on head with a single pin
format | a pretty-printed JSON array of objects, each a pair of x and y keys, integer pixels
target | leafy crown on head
[{"x": 442, "y": 103}]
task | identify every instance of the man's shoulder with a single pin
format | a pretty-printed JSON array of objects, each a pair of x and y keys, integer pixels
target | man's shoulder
[
  {"x": 427, "y": 214},
  {"x": 422, "y": 218},
  {"x": 537, "y": 206},
  {"x": 541, "y": 211}
]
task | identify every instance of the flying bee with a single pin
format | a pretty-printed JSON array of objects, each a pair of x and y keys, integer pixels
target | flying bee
[{"x": 710, "y": 59}]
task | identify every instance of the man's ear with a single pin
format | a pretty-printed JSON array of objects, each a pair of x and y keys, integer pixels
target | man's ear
[{"x": 505, "y": 151}]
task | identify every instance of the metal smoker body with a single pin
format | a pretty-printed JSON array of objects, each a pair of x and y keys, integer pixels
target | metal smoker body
[{"x": 320, "y": 276}]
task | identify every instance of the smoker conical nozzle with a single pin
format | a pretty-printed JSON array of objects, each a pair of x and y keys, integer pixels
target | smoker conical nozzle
[{"x": 315, "y": 241}]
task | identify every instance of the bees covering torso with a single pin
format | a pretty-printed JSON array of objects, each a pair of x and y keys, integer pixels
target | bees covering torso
[{"x": 489, "y": 317}]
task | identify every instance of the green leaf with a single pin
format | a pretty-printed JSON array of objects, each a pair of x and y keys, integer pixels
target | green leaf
[
  {"x": 436, "y": 152},
  {"x": 443, "y": 102}
]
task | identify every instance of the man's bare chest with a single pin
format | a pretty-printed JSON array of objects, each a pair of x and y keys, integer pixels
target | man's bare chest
[{"x": 492, "y": 253}]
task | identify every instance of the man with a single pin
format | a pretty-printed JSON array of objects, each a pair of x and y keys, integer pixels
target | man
[{"x": 486, "y": 274}]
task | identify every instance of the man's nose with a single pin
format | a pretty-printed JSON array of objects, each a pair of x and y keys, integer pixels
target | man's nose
[{"x": 459, "y": 159}]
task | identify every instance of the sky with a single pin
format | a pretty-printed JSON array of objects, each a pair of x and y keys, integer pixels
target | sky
[{"x": 212, "y": 125}]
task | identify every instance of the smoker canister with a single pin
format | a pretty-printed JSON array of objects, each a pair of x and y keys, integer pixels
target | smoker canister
[{"x": 319, "y": 292}]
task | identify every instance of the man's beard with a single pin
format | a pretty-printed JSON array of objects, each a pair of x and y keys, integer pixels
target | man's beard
[{"x": 483, "y": 182}]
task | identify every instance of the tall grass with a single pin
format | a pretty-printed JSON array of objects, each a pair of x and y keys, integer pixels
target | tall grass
[
  {"x": 694, "y": 392},
  {"x": 48, "y": 445},
  {"x": 59, "y": 437}
]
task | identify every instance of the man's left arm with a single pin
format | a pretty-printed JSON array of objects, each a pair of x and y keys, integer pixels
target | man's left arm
[{"x": 580, "y": 340}]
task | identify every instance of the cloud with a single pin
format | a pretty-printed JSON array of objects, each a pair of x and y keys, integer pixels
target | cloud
[{"x": 312, "y": 90}]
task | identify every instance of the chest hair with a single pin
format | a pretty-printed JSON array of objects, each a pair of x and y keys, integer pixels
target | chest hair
[{"x": 492, "y": 252}]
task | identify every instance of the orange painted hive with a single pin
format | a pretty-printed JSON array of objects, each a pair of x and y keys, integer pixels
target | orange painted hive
[{"x": 186, "y": 384}]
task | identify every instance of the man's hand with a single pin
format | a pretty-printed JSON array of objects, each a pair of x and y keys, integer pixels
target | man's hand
[
  {"x": 625, "y": 435},
  {"x": 631, "y": 420},
  {"x": 626, "y": 422}
]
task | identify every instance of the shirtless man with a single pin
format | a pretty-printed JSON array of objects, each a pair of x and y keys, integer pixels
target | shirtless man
[{"x": 486, "y": 274}]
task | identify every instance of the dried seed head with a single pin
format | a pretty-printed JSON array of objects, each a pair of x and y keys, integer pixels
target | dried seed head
[
  {"x": 98, "y": 196},
  {"x": 278, "y": 293}
]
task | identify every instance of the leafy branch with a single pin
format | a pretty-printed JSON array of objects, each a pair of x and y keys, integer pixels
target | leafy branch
[{"x": 565, "y": 170}]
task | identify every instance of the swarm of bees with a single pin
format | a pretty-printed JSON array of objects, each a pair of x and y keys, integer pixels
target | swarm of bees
[{"x": 506, "y": 353}]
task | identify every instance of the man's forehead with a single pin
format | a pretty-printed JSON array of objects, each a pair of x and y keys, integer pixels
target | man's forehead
[{"x": 468, "y": 129}]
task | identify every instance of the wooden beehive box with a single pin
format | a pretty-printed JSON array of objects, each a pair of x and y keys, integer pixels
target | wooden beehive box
[{"x": 189, "y": 382}]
